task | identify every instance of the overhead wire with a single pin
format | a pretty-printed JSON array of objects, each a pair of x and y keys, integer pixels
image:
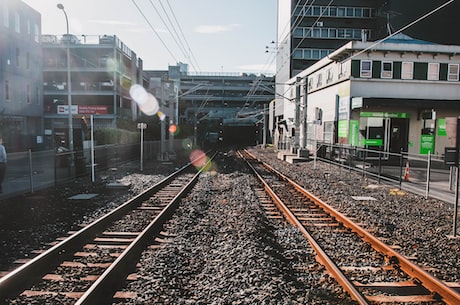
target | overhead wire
[
  {"x": 272, "y": 58},
  {"x": 304, "y": 36},
  {"x": 153, "y": 29},
  {"x": 175, "y": 36},
  {"x": 167, "y": 27},
  {"x": 182, "y": 33},
  {"x": 179, "y": 40},
  {"x": 292, "y": 27},
  {"x": 400, "y": 30},
  {"x": 381, "y": 40}
]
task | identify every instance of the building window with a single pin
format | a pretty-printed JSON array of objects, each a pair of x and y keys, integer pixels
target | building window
[
  {"x": 387, "y": 69},
  {"x": 342, "y": 70},
  {"x": 28, "y": 27},
  {"x": 36, "y": 33},
  {"x": 17, "y": 23},
  {"x": 453, "y": 72},
  {"x": 320, "y": 80},
  {"x": 29, "y": 100},
  {"x": 433, "y": 71},
  {"x": 407, "y": 70},
  {"x": 341, "y": 11},
  {"x": 297, "y": 54},
  {"x": 7, "y": 90},
  {"x": 6, "y": 17},
  {"x": 315, "y": 54},
  {"x": 17, "y": 57},
  {"x": 330, "y": 76},
  {"x": 366, "y": 68},
  {"x": 37, "y": 95},
  {"x": 27, "y": 60}
]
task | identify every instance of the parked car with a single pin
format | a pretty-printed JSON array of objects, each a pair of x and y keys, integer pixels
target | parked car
[{"x": 69, "y": 38}]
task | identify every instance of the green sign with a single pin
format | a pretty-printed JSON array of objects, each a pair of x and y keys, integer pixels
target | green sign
[
  {"x": 373, "y": 142},
  {"x": 343, "y": 129},
  {"x": 442, "y": 127},
  {"x": 354, "y": 132},
  {"x": 426, "y": 144},
  {"x": 395, "y": 115}
]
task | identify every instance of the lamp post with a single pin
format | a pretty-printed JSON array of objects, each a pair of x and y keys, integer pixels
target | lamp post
[{"x": 69, "y": 85}]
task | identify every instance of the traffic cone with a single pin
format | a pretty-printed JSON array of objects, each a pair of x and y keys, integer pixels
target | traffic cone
[{"x": 406, "y": 172}]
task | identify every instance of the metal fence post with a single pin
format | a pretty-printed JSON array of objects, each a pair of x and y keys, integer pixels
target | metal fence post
[
  {"x": 401, "y": 169},
  {"x": 31, "y": 171},
  {"x": 428, "y": 174},
  {"x": 457, "y": 175}
]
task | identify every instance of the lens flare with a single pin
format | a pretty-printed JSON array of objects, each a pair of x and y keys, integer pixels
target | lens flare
[
  {"x": 151, "y": 106},
  {"x": 161, "y": 115},
  {"x": 146, "y": 101},
  {"x": 174, "y": 129},
  {"x": 187, "y": 144},
  {"x": 202, "y": 162},
  {"x": 198, "y": 158},
  {"x": 138, "y": 94}
]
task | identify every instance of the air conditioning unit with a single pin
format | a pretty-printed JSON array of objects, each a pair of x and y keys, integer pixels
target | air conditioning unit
[{"x": 319, "y": 24}]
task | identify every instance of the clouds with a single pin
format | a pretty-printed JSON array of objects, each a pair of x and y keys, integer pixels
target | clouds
[{"x": 214, "y": 29}]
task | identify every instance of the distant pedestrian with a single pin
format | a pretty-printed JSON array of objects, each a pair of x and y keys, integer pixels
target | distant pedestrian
[{"x": 2, "y": 163}]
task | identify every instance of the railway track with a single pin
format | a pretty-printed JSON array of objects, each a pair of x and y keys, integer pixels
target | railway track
[
  {"x": 373, "y": 272},
  {"x": 90, "y": 265}
]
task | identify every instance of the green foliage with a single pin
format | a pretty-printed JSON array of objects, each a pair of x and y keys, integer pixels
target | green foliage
[{"x": 115, "y": 136}]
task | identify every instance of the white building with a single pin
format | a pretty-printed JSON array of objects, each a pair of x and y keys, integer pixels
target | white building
[{"x": 401, "y": 94}]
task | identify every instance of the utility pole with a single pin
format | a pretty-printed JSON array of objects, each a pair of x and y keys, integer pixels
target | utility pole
[
  {"x": 297, "y": 113},
  {"x": 69, "y": 82}
]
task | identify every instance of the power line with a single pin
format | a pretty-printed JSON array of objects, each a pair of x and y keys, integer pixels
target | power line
[
  {"x": 167, "y": 27},
  {"x": 182, "y": 33},
  {"x": 401, "y": 29},
  {"x": 305, "y": 36},
  {"x": 153, "y": 29},
  {"x": 175, "y": 37}
]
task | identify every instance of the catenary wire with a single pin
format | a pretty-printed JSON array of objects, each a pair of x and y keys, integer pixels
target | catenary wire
[
  {"x": 183, "y": 36},
  {"x": 153, "y": 29}
]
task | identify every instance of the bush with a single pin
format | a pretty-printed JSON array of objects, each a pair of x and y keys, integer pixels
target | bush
[{"x": 115, "y": 136}]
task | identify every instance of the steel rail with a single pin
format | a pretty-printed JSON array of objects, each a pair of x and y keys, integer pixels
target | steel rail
[
  {"x": 25, "y": 275},
  {"x": 103, "y": 289},
  {"x": 433, "y": 284},
  {"x": 324, "y": 259}
]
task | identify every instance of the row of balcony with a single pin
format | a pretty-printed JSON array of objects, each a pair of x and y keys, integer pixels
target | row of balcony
[{"x": 86, "y": 86}]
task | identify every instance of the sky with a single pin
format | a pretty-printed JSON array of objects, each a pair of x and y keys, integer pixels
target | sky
[{"x": 212, "y": 35}]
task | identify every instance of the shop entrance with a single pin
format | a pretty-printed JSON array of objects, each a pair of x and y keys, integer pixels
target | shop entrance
[{"x": 386, "y": 132}]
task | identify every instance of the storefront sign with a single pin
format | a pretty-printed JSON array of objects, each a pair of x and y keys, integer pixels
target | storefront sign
[
  {"x": 354, "y": 132},
  {"x": 343, "y": 129},
  {"x": 92, "y": 109},
  {"x": 83, "y": 109},
  {"x": 395, "y": 115},
  {"x": 64, "y": 109},
  {"x": 426, "y": 144},
  {"x": 442, "y": 127},
  {"x": 373, "y": 142}
]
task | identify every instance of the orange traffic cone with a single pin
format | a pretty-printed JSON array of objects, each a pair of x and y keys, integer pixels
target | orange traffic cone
[{"x": 406, "y": 172}]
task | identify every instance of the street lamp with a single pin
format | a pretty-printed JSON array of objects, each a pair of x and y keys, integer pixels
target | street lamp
[{"x": 69, "y": 85}]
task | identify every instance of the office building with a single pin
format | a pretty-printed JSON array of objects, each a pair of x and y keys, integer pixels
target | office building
[
  {"x": 310, "y": 30},
  {"x": 21, "y": 102}
]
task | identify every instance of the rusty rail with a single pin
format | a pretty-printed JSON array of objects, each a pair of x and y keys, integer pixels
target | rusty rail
[{"x": 433, "y": 284}]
